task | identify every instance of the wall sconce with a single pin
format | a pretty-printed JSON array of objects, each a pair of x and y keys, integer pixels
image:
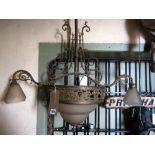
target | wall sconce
[
  {"x": 15, "y": 93},
  {"x": 73, "y": 102}
]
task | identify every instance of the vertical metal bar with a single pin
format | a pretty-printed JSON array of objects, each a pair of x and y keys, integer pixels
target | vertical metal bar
[
  {"x": 76, "y": 69},
  {"x": 50, "y": 125},
  {"x": 85, "y": 122},
  {"x": 150, "y": 81},
  {"x": 146, "y": 90},
  {"x": 85, "y": 127},
  {"x": 139, "y": 77},
  {"x": 95, "y": 120},
  {"x": 126, "y": 72},
  {"x": 129, "y": 71},
  {"x": 150, "y": 87},
  {"x": 105, "y": 107},
  {"x": 65, "y": 124},
  {"x": 126, "y": 85},
  {"x": 88, "y": 83},
  {"x": 74, "y": 133},
  {"x": 98, "y": 125},
  {"x": 68, "y": 35},
  {"x": 120, "y": 110},
  {"x": 136, "y": 74},
  {"x": 109, "y": 110},
  {"x": 95, "y": 108},
  {"x": 116, "y": 95},
  {"x": 76, "y": 64},
  {"x": 76, "y": 130}
]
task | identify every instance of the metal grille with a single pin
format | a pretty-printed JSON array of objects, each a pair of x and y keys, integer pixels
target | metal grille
[{"x": 106, "y": 121}]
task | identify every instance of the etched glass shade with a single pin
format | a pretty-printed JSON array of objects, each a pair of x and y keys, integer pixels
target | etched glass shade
[
  {"x": 75, "y": 113},
  {"x": 14, "y": 93},
  {"x": 132, "y": 97}
]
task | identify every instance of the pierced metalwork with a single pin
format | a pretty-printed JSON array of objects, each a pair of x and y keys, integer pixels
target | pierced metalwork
[{"x": 81, "y": 95}]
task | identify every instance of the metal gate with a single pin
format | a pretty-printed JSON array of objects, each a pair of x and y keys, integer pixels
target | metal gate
[{"x": 107, "y": 121}]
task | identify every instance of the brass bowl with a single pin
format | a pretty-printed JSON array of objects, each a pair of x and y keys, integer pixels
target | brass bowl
[
  {"x": 76, "y": 102},
  {"x": 81, "y": 94}
]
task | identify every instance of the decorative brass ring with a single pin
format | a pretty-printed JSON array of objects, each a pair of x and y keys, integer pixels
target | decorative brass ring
[{"x": 81, "y": 94}]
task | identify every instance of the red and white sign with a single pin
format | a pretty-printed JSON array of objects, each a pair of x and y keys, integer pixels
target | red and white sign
[{"x": 117, "y": 102}]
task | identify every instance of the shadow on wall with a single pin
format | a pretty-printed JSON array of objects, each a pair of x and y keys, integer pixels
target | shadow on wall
[
  {"x": 4, "y": 93},
  {"x": 4, "y": 132},
  {"x": 134, "y": 30}
]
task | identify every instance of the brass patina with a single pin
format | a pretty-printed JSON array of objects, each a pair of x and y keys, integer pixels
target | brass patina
[{"x": 81, "y": 94}]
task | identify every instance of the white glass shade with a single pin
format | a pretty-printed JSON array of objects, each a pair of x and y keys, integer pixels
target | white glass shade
[
  {"x": 75, "y": 113},
  {"x": 132, "y": 97},
  {"x": 14, "y": 93}
]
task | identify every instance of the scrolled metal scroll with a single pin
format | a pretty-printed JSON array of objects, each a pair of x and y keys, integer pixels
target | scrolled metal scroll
[
  {"x": 85, "y": 27},
  {"x": 24, "y": 75},
  {"x": 58, "y": 34},
  {"x": 66, "y": 26}
]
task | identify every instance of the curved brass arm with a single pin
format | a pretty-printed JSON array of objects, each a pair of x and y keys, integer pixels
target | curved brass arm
[
  {"x": 119, "y": 78},
  {"x": 23, "y": 75}
]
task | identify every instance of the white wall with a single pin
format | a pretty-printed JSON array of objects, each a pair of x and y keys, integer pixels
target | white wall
[{"x": 19, "y": 40}]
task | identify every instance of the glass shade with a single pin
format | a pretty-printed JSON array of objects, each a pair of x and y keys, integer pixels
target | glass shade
[
  {"x": 14, "y": 93},
  {"x": 75, "y": 113},
  {"x": 132, "y": 97}
]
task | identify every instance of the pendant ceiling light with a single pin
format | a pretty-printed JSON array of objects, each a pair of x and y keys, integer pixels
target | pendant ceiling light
[{"x": 73, "y": 102}]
